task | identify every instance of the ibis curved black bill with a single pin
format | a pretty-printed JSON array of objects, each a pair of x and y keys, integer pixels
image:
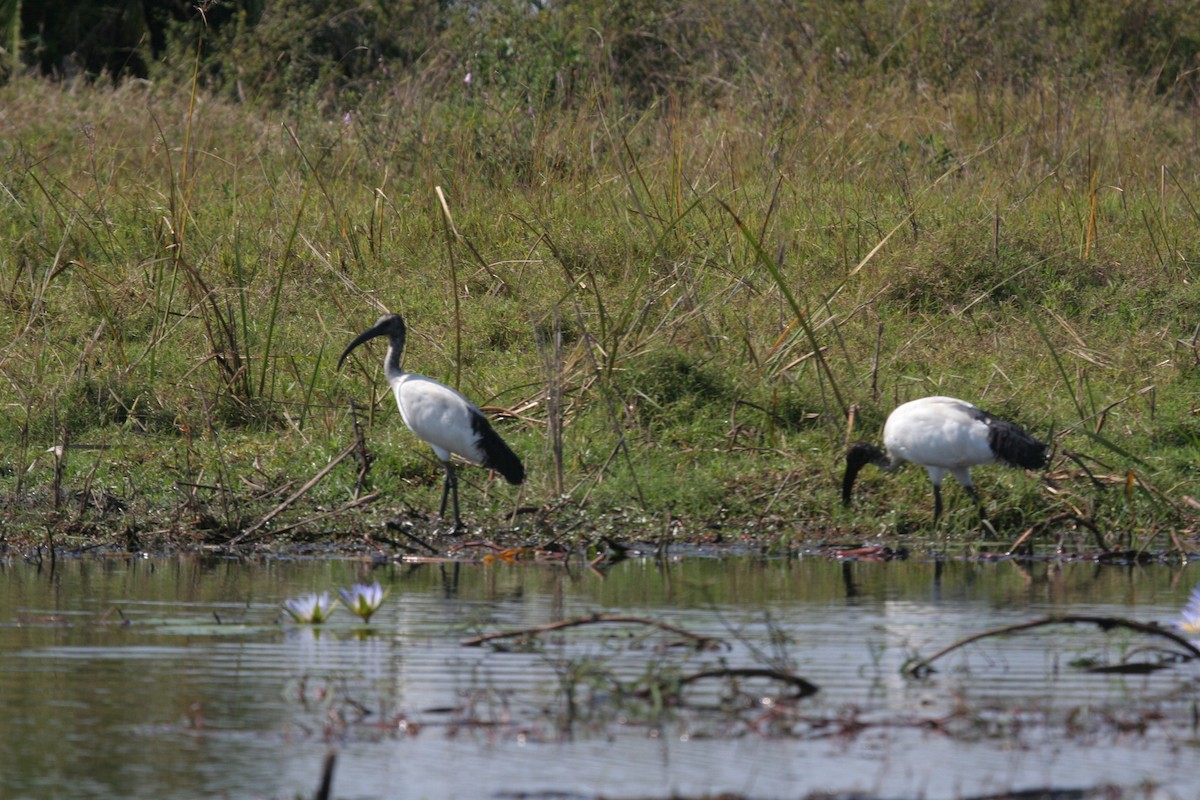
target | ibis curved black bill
[{"x": 389, "y": 325}]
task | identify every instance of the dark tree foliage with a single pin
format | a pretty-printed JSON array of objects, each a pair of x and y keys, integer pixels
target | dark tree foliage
[
  {"x": 338, "y": 52},
  {"x": 118, "y": 39}
]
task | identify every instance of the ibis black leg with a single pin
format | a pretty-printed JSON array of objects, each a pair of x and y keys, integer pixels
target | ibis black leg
[
  {"x": 449, "y": 488},
  {"x": 978, "y": 501},
  {"x": 937, "y": 503},
  {"x": 445, "y": 489}
]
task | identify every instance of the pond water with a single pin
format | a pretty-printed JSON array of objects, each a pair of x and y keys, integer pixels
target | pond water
[{"x": 180, "y": 678}]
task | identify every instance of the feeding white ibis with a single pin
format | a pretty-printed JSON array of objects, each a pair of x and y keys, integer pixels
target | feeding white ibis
[
  {"x": 944, "y": 435},
  {"x": 440, "y": 416}
]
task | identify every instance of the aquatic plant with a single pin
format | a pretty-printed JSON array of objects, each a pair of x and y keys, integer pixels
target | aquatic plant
[
  {"x": 1189, "y": 618},
  {"x": 309, "y": 608},
  {"x": 363, "y": 599}
]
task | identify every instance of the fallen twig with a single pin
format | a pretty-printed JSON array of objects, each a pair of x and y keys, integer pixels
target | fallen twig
[
  {"x": 803, "y": 687},
  {"x": 700, "y": 640},
  {"x": 326, "y": 786},
  {"x": 1096, "y": 482},
  {"x": 923, "y": 667},
  {"x": 360, "y": 501},
  {"x": 313, "y": 481}
]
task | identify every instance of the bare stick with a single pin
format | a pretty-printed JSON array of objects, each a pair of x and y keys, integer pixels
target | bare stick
[
  {"x": 701, "y": 641},
  {"x": 313, "y": 481},
  {"x": 1091, "y": 476},
  {"x": 355, "y": 503},
  {"x": 875, "y": 364},
  {"x": 803, "y": 688},
  {"x": 851, "y": 417},
  {"x": 360, "y": 445},
  {"x": 392, "y": 526},
  {"x": 451, "y": 236},
  {"x": 924, "y": 666},
  {"x": 60, "y": 462},
  {"x": 326, "y": 787},
  {"x": 1045, "y": 523}
]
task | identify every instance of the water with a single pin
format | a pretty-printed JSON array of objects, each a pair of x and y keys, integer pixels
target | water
[{"x": 134, "y": 678}]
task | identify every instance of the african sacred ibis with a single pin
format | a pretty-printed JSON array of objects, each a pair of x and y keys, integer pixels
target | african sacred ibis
[
  {"x": 439, "y": 416},
  {"x": 944, "y": 435}
]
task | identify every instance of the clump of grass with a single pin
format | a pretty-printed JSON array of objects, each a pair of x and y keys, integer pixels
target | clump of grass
[
  {"x": 964, "y": 273},
  {"x": 669, "y": 387}
]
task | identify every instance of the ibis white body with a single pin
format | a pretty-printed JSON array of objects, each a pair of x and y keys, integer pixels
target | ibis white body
[
  {"x": 945, "y": 436},
  {"x": 440, "y": 416},
  {"x": 942, "y": 434}
]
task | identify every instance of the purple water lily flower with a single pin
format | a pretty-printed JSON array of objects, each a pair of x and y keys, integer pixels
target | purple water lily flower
[
  {"x": 363, "y": 599},
  {"x": 1189, "y": 620},
  {"x": 310, "y": 608}
]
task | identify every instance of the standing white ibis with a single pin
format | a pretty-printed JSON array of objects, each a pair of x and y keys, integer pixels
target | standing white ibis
[
  {"x": 440, "y": 416},
  {"x": 944, "y": 435}
]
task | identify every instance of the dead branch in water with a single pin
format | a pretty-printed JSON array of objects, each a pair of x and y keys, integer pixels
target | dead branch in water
[
  {"x": 923, "y": 667},
  {"x": 803, "y": 688},
  {"x": 701, "y": 642},
  {"x": 323, "y": 791}
]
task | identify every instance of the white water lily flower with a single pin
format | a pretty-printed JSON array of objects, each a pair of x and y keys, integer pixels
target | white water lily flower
[
  {"x": 310, "y": 608},
  {"x": 1189, "y": 620},
  {"x": 363, "y": 599}
]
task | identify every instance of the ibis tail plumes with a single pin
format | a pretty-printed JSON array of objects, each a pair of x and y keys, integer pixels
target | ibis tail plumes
[
  {"x": 944, "y": 435},
  {"x": 440, "y": 416}
]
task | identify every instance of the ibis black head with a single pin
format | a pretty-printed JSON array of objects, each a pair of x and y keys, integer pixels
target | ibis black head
[
  {"x": 858, "y": 456},
  {"x": 389, "y": 325}
]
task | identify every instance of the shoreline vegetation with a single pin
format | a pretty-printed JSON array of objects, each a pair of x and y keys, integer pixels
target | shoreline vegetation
[{"x": 682, "y": 257}]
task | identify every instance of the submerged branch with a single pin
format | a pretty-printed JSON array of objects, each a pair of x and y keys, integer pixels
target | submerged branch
[
  {"x": 323, "y": 791},
  {"x": 803, "y": 687},
  {"x": 699, "y": 640},
  {"x": 924, "y": 666}
]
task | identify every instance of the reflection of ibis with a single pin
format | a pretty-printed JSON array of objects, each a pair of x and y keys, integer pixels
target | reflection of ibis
[
  {"x": 944, "y": 435},
  {"x": 439, "y": 416}
]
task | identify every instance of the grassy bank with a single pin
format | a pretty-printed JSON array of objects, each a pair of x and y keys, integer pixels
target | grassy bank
[{"x": 677, "y": 310}]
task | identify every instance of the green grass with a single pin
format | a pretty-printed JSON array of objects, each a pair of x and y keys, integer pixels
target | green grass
[{"x": 179, "y": 275}]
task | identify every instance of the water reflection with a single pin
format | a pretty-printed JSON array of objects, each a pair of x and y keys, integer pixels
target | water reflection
[{"x": 180, "y": 678}]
